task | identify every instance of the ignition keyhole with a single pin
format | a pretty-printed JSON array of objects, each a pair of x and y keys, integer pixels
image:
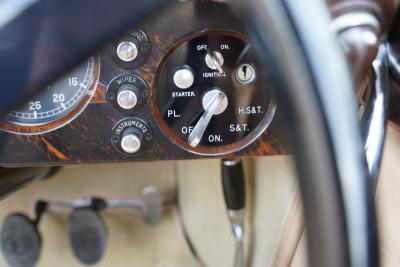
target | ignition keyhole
[{"x": 245, "y": 74}]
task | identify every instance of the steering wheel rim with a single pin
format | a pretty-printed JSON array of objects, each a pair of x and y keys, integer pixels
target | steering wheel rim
[{"x": 340, "y": 220}]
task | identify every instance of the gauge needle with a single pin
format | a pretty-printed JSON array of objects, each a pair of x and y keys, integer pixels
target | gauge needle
[
  {"x": 215, "y": 60},
  {"x": 210, "y": 109}
]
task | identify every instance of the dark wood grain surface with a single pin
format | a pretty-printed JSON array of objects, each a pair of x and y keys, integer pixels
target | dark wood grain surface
[
  {"x": 394, "y": 59},
  {"x": 87, "y": 138},
  {"x": 394, "y": 110}
]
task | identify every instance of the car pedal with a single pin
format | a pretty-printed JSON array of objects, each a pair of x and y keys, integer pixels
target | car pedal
[
  {"x": 88, "y": 235},
  {"x": 21, "y": 242}
]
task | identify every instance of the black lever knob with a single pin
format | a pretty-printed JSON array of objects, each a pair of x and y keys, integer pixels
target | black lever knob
[{"x": 233, "y": 183}]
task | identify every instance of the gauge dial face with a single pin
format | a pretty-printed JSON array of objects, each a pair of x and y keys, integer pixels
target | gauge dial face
[
  {"x": 209, "y": 96},
  {"x": 58, "y": 103}
]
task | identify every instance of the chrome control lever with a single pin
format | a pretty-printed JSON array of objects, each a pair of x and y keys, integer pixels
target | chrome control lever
[
  {"x": 358, "y": 34},
  {"x": 234, "y": 187},
  {"x": 375, "y": 115},
  {"x": 213, "y": 106}
]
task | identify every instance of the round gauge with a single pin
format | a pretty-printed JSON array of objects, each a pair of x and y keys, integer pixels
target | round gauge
[
  {"x": 58, "y": 103},
  {"x": 210, "y": 97}
]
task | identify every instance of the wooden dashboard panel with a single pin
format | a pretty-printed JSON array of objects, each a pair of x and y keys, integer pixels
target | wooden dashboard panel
[{"x": 87, "y": 138}]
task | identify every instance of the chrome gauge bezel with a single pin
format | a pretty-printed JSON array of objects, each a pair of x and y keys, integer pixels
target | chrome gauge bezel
[{"x": 68, "y": 113}]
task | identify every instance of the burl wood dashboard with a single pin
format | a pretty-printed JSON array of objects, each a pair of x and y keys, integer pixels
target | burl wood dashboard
[{"x": 183, "y": 84}]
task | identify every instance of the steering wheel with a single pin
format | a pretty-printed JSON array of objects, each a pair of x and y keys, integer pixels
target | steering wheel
[{"x": 309, "y": 69}]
